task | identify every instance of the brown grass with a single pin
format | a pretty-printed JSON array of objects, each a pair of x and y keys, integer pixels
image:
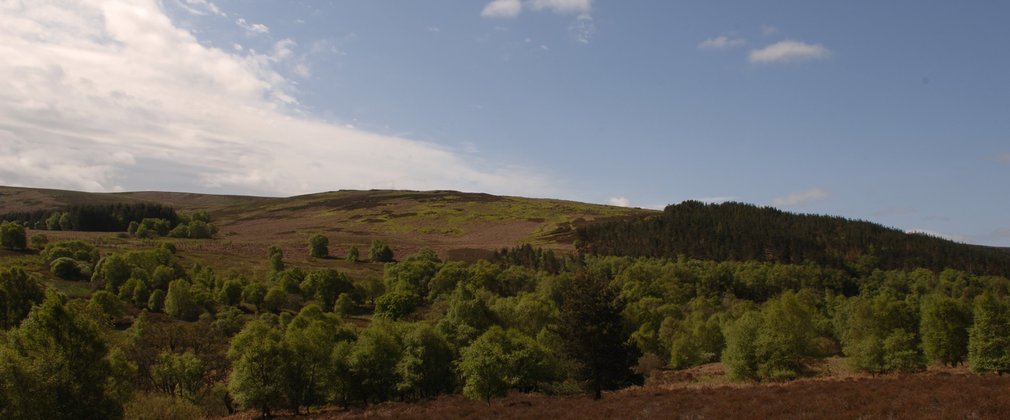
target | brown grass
[{"x": 933, "y": 395}]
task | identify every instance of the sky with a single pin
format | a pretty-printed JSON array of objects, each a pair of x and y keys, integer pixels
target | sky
[{"x": 895, "y": 112}]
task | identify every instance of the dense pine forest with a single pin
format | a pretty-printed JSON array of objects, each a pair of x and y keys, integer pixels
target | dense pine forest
[
  {"x": 767, "y": 294},
  {"x": 742, "y": 232}
]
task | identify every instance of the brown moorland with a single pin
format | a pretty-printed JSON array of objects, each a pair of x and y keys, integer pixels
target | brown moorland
[
  {"x": 456, "y": 225},
  {"x": 702, "y": 393}
]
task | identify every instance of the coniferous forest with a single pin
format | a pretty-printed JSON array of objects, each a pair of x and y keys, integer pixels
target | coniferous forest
[{"x": 742, "y": 232}]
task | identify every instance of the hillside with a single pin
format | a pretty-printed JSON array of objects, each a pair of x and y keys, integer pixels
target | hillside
[
  {"x": 742, "y": 232},
  {"x": 456, "y": 225}
]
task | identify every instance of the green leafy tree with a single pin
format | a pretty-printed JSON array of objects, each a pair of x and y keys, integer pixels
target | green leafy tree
[
  {"x": 466, "y": 319},
  {"x": 156, "y": 303},
  {"x": 19, "y": 291},
  {"x": 372, "y": 362},
  {"x": 180, "y": 302},
  {"x": 785, "y": 339},
  {"x": 500, "y": 360},
  {"x": 276, "y": 258},
  {"x": 593, "y": 334},
  {"x": 870, "y": 322},
  {"x": 396, "y": 305},
  {"x": 345, "y": 304},
  {"x": 65, "y": 268},
  {"x": 380, "y": 252},
  {"x": 310, "y": 338},
  {"x": 112, "y": 271},
  {"x": 902, "y": 353},
  {"x": 55, "y": 366},
  {"x": 106, "y": 306},
  {"x": 989, "y": 337},
  {"x": 253, "y": 294},
  {"x": 257, "y": 377},
  {"x": 352, "y": 255},
  {"x": 275, "y": 299},
  {"x": 325, "y": 285},
  {"x": 319, "y": 246},
  {"x": 178, "y": 374},
  {"x": 426, "y": 367},
  {"x": 230, "y": 293},
  {"x": 12, "y": 236},
  {"x": 741, "y": 353},
  {"x": 944, "y": 326}
]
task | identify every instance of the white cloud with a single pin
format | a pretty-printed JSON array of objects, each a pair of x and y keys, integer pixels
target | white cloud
[
  {"x": 98, "y": 95},
  {"x": 435, "y": 29},
  {"x": 502, "y": 9},
  {"x": 512, "y": 8},
  {"x": 768, "y": 30},
  {"x": 200, "y": 7},
  {"x": 720, "y": 43},
  {"x": 802, "y": 197},
  {"x": 252, "y": 28},
  {"x": 619, "y": 201},
  {"x": 789, "y": 50}
]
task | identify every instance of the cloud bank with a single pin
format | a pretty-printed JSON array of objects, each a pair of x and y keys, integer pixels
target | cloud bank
[{"x": 103, "y": 95}]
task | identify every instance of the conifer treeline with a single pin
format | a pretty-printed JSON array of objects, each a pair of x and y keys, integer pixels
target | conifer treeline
[
  {"x": 736, "y": 231},
  {"x": 98, "y": 217}
]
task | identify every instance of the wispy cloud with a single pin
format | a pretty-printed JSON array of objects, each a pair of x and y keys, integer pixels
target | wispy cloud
[
  {"x": 768, "y": 30},
  {"x": 720, "y": 43},
  {"x": 252, "y": 28},
  {"x": 502, "y": 9},
  {"x": 1003, "y": 158},
  {"x": 801, "y": 197},
  {"x": 119, "y": 97},
  {"x": 583, "y": 29},
  {"x": 619, "y": 201},
  {"x": 200, "y": 7},
  {"x": 788, "y": 50}
]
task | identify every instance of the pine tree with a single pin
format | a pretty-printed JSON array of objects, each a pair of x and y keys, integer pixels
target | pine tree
[{"x": 593, "y": 334}]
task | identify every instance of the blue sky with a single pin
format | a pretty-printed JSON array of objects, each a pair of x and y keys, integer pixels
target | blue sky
[{"x": 894, "y": 112}]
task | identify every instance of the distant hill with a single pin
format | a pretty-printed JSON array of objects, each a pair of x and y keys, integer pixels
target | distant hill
[
  {"x": 735, "y": 231},
  {"x": 456, "y": 224}
]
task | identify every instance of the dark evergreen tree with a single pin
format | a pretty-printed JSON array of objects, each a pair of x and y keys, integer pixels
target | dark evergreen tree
[{"x": 594, "y": 335}]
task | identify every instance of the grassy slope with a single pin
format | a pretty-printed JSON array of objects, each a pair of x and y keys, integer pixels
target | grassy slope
[{"x": 456, "y": 225}]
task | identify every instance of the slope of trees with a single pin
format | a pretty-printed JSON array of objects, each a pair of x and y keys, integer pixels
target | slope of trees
[{"x": 742, "y": 232}]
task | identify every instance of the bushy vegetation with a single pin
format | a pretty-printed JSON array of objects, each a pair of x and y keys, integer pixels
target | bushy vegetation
[{"x": 293, "y": 337}]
